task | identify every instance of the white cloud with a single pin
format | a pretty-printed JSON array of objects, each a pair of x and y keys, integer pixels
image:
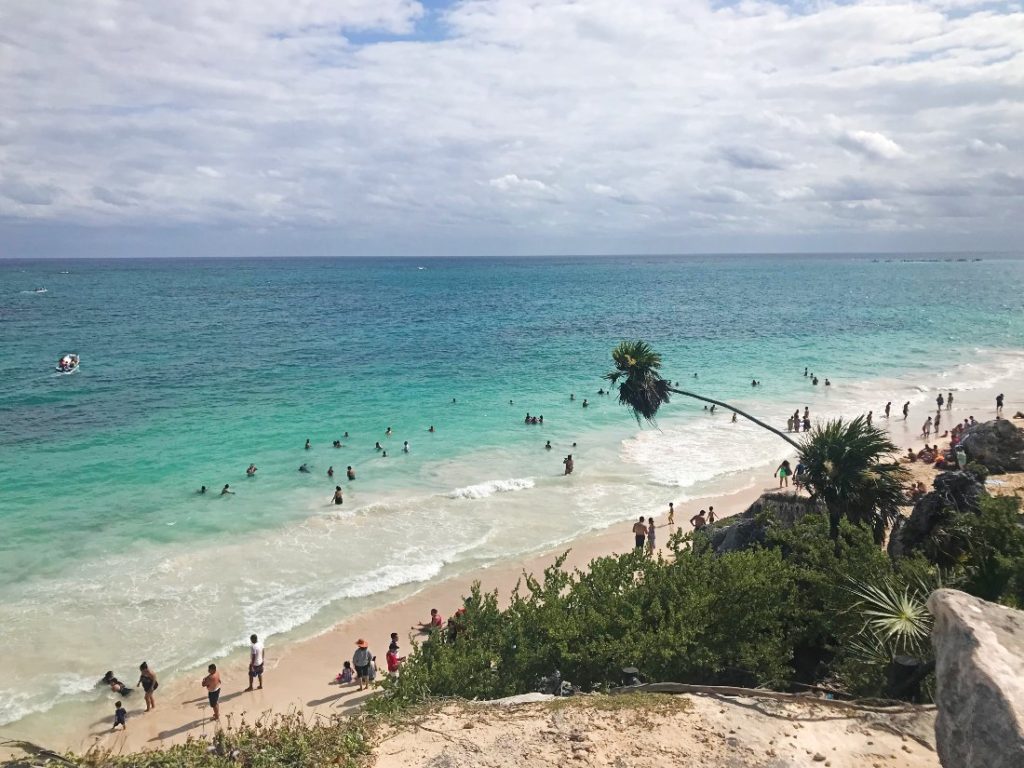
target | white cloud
[
  {"x": 533, "y": 125},
  {"x": 870, "y": 143}
]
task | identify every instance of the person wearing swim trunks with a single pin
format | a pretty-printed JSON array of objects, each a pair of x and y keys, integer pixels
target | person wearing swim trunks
[
  {"x": 255, "y": 661},
  {"x": 640, "y": 533},
  {"x": 212, "y": 685},
  {"x": 148, "y": 681},
  {"x": 120, "y": 717}
]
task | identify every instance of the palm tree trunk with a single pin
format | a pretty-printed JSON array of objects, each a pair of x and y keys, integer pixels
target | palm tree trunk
[{"x": 759, "y": 423}]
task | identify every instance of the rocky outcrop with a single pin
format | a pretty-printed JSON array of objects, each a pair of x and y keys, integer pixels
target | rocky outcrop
[
  {"x": 749, "y": 528},
  {"x": 979, "y": 668},
  {"x": 999, "y": 445},
  {"x": 951, "y": 492}
]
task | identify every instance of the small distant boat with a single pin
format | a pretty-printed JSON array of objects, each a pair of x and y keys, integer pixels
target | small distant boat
[
  {"x": 39, "y": 290},
  {"x": 68, "y": 363}
]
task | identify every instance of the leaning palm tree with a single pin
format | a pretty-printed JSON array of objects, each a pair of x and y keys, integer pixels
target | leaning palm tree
[
  {"x": 644, "y": 391},
  {"x": 849, "y": 466},
  {"x": 847, "y": 463}
]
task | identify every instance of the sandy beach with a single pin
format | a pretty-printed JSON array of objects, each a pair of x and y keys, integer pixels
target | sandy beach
[{"x": 299, "y": 676}]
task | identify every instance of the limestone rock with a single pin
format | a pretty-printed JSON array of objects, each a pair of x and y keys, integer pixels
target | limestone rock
[
  {"x": 953, "y": 492},
  {"x": 979, "y": 655},
  {"x": 999, "y": 445}
]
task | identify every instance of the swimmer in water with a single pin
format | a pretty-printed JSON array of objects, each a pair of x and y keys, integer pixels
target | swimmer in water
[
  {"x": 585, "y": 403},
  {"x": 388, "y": 431},
  {"x": 572, "y": 396},
  {"x": 330, "y": 471},
  {"x": 351, "y": 473},
  {"x": 304, "y": 468},
  {"x": 346, "y": 434},
  {"x": 453, "y": 401},
  {"x": 202, "y": 490},
  {"x": 431, "y": 428},
  {"x": 337, "y": 495},
  {"x": 337, "y": 443},
  {"x": 548, "y": 445},
  {"x": 308, "y": 446},
  {"x": 384, "y": 455},
  {"x": 405, "y": 447},
  {"x": 377, "y": 446},
  {"x": 226, "y": 490},
  {"x": 251, "y": 471}
]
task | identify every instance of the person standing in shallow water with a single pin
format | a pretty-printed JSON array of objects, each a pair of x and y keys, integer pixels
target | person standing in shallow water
[
  {"x": 337, "y": 498},
  {"x": 906, "y": 410},
  {"x": 148, "y": 681},
  {"x": 569, "y": 465}
]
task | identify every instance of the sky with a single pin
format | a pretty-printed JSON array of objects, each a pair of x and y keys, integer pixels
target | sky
[{"x": 508, "y": 127}]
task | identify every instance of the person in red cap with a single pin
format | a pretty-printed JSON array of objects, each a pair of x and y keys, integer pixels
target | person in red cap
[{"x": 362, "y": 660}]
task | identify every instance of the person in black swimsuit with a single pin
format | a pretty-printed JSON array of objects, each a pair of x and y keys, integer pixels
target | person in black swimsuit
[
  {"x": 149, "y": 683},
  {"x": 337, "y": 495}
]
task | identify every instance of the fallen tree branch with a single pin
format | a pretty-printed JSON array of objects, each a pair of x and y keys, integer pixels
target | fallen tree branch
[{"x": 761, "y": 693}]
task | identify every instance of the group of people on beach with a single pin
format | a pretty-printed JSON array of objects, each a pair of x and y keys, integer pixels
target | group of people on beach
[
  {"x": 211, "y": 682},
  {"x": 645, "y": 530}
]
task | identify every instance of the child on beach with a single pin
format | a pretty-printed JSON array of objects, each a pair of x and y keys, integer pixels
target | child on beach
[
  {"x": 347, "y": 674},
  {"x": 120, "y": 717},
  {"x": 651, "y": 544}
]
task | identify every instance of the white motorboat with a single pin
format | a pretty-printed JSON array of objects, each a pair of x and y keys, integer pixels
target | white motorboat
[{"x": 68, "y": 363}]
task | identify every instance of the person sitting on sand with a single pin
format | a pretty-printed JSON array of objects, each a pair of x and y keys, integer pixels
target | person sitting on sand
[
  {"x": 347, "y": 674},
  {"x": 1018, "y": 415},
  {"x": 911, "y": 456},
  {"x": 435, "y": 622}
]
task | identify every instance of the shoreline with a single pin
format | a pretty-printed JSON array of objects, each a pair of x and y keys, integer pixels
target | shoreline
[{"x": 299, "y": 673}]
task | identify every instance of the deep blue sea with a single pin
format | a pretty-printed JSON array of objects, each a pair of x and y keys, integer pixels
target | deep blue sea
[{"x": 193, "y": 369}]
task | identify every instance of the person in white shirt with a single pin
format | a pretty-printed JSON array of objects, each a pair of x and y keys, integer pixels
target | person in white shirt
[{"x": 255, "y": 661}]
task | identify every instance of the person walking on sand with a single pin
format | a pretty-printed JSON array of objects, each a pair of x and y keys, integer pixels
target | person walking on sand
[
  {"x": 926, "y": 429},
  {"x": 362, "y": 659},
  {"x": 783, "y": 472},
  {"x": 906, "y": 410},
  {"x": 149, "y": 683},
  {"x": 698, "y": 521},
  {"x": 888, "y": 407},
  {"x": 949, "y": 402},
  {"x": 999, "y": 404},
  {"x": 255, "y": 661},
  {"x": 651, "y": 543},
  {"x": 120, "y": 717},
  {"x": 671, "y": 514},
  {"x": 639, "y": 534},
  {"x": 212, "y": 685}
]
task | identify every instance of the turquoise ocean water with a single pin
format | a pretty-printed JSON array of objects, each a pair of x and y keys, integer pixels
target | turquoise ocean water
[{"x": 192, "y": 369}]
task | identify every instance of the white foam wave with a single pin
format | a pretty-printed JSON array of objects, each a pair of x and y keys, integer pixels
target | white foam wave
[{"x": 483, "y": 490}]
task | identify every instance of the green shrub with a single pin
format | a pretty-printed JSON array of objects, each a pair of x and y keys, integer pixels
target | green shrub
[{"x": 980, "y": 471}]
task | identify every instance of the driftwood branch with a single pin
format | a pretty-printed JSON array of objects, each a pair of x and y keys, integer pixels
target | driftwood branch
[{"x": 760, "y": 693}]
